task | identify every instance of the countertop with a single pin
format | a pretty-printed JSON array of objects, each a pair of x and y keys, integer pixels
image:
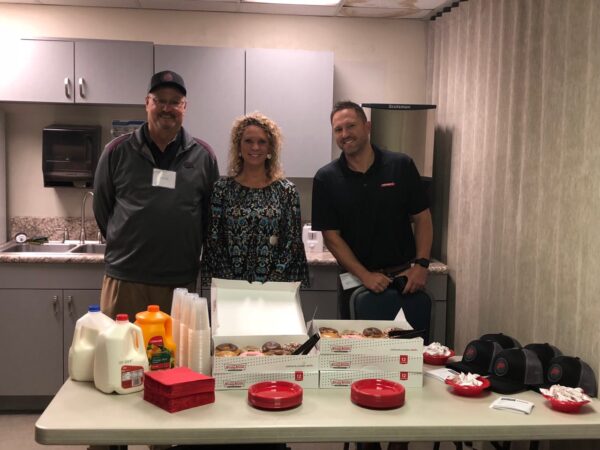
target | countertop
[{"x": 314, "y": 259}]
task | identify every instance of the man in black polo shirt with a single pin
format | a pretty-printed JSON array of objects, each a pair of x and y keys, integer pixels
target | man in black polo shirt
[{"x": 364, "y": 203}]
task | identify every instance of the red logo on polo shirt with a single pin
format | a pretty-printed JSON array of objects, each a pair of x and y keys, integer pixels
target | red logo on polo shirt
[{"x": 390, "y": 184}]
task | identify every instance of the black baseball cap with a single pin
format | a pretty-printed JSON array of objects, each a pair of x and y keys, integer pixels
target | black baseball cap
[
  {"x": 167, "y": 78},
  {"x": 545, "y": 353},
  {"x": 504, "y": 340},
  {"x": 477, "y": 357},
  {"x": 572, "y": 372},
  {"x": 515, "y": 370}
]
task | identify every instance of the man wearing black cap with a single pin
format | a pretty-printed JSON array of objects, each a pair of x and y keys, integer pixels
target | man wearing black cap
[{"x": 151, "y": 194}]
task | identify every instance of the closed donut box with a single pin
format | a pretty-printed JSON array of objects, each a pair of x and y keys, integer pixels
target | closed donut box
[
  {"x": 341, "y": 379},
  {"x": 404, "y": 361},
  {"x": 250, "y": 314}
]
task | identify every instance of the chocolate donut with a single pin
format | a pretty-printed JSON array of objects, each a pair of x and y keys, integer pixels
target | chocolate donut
[
  {"x": 277, "y": 352},
  {"x": 270, "y": 346},
  {"x": 372, "y": 332},
  {"x": 227, "y": 347}
]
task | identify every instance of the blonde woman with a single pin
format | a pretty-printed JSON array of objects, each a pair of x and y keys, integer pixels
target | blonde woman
[{"x": 255, "y": 231}]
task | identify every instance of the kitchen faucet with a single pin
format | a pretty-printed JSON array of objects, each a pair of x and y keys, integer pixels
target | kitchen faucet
[{"x": 82, "y": 233}]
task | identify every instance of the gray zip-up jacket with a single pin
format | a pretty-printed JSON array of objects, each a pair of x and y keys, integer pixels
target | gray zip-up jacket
[{"x": 154, "y": 235}]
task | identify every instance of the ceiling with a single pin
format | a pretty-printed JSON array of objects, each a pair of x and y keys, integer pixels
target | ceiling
[{"x": 389, "y": 9}]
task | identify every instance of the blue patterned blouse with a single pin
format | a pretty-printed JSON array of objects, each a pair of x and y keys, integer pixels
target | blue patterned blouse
[{"x": 255, "y": 234}]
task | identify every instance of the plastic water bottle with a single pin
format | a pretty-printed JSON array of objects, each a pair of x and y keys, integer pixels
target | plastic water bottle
[
  {"x": 81, "y": 353},
  {"x": 120, "y": 359}
]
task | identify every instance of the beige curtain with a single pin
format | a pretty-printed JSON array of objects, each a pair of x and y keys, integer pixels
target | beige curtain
[{"x": 517, "y": 169}]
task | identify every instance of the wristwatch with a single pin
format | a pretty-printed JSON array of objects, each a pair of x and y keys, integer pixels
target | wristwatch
[{"x": 423, "y": 262}]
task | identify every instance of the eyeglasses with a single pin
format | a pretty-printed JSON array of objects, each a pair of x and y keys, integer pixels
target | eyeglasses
[{"x": 173, "y": 103}]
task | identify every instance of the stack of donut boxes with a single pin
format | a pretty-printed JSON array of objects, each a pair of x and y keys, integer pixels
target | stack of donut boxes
[{"x": 343, "y": 361}]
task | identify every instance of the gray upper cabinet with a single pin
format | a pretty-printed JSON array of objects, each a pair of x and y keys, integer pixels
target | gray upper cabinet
[
  {"x": 112, "y": 72},
  {"x": 214, "y": 79},
  {"x": 40, "y": 71},
  {"x": 98, "y": 72},
  {"x": 295, "y": 89}
]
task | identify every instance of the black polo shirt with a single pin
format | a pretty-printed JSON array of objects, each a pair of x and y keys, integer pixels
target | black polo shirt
[
  {"x": 371, "y": 210},
  {"x": 162, "y": 159}
]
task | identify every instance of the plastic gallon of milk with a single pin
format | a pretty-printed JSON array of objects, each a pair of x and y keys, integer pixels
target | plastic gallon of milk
[
  {"x": 157, "y": 328},
  {"x": 81, "y": 353},
  {"x": 120, "y": 359}
]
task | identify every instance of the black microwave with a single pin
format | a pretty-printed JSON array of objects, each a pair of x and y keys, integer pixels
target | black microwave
[{"x": 70, "y": 154}]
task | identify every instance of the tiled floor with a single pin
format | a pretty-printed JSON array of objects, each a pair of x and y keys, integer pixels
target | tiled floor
[{"x": 17, "y": 433}]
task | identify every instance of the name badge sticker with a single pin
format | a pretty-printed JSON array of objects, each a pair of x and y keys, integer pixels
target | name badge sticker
[{"x": 164, "y": 178}]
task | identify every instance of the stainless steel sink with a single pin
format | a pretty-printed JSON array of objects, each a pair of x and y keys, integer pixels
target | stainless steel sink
[
  {"x": 37, "y": 248},
  {"x": 89, "y": 248}
]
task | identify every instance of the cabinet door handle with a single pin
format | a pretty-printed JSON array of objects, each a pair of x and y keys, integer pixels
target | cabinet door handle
[
  {"x": 67, "y": 87},
  {"x": 55, "y": 303},
  {"x": 81, "y": 83},
  {"x": 70, "y": 304}
]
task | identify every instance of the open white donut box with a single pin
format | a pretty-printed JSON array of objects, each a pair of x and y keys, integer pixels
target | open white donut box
[{"x": 245, "y": 313}]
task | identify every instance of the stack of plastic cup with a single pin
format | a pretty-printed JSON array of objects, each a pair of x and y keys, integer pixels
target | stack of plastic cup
[{"x": 199, "y": 336}]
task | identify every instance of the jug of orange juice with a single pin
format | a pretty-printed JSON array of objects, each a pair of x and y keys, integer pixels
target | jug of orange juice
[
  {"x": 120, "y": 359},
  {"x": 157, "y": 328}
]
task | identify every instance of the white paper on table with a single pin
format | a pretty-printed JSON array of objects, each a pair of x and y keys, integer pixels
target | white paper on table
[
  {"x": 513, "y": 405},
  {"x": 441, "y": 374}
]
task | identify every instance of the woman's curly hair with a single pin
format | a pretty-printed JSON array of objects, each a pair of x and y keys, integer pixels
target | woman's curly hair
[{"x": 273, "y": 132}]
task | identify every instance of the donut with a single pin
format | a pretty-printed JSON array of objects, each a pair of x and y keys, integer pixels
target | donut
[
  {"x": 252, "y": 353},
  {"x": 327, "y": 332},
  {"x": 250, "y": 348},
  {"x": 352, "y": 336},
  {"x": 226, "y": 353},
  {"x": 270, "y": 346},
  {"x": 277, "y": 352},
  {"x": 291, "y": 347},
  {"x": 227, "y": 347},
  {"x": 372, "y": 332},
  {"x": 348, "y": 332}
]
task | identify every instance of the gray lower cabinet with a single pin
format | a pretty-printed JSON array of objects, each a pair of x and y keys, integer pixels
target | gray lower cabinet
[
  {"x": 32, "y": 336},
  {"x": 40, "y": 304},
  {"x": 40, "y": 331}
]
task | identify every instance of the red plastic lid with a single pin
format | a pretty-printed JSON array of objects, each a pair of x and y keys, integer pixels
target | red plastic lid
[
  {"x": 377, "y": 393},
  {"x": 122, "y": 318},
  {"x": 275, "y": 395}
]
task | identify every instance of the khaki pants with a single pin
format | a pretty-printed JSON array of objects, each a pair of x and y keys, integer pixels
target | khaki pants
[{"x": 124, "y": 297}]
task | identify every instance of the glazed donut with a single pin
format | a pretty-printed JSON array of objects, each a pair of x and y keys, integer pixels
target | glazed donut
[
  {"x": 226, "y": 353},
  {"x": 269, "y": 346},
  {"x": 252, "y": 353},
  {"x": 250, "y": 348},
  {"x": 327, "y": 332},
  {"x": 227, "y": 347},
  {"x": 348, "y": 332},
  {"x": 372, "y": 332}
]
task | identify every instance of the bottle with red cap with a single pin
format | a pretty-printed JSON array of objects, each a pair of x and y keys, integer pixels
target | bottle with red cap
[
  {"x": 157, "y": 328},
  {"x": 120, "y": 358}
]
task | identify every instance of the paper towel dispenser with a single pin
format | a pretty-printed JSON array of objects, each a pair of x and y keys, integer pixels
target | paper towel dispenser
[
  {"x": 405, "y": 128},
  {"x": 70, "y": 154}
]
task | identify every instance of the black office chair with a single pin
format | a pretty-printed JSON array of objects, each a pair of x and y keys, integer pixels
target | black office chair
[{"x": 417, "y": 307}]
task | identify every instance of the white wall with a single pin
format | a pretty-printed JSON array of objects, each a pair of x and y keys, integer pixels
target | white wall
[{"x": 376, "y": 60}]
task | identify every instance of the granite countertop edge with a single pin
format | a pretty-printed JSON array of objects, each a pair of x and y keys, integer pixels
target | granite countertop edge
[{"x": 314, "y": 259}]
